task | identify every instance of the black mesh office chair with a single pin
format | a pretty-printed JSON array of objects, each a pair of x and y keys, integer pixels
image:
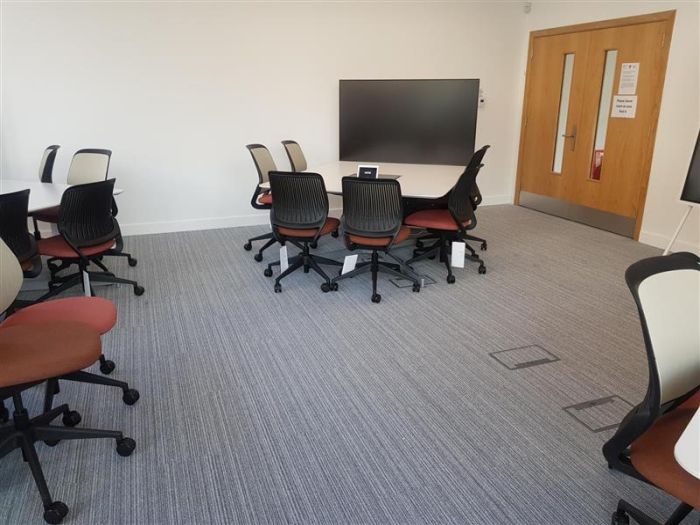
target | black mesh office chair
[
  {"x": 666, "y": 292},
  {"x": 296, "y": 156},
  {"x": 87, "y": 231},
  {"x": 300, "y": 214},
  {"x": 14, "y": 232},
  {"x": 449, "y": 224},
  {"x": 475, "y": 197},
  {"x": 46, "y": 175},
  {"x": 373, "y": 220}
]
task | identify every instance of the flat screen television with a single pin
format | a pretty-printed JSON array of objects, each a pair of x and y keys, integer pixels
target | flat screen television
[
  {"x": 691, "y": 188},
  {"x": 408, "y": 121}
]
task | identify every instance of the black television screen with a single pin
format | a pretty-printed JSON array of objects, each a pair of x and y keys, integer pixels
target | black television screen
[
  {"x": 691, "y": 188},
  {"x": 408, "y": 121}
]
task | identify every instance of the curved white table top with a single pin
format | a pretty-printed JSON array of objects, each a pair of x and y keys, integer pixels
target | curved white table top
[
  {"x": 425, "y": 181},
  {"x": 41, "y": 195},
  {"x": 687, "y": 449}
]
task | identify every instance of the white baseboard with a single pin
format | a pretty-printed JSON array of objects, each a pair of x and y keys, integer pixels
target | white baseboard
[{"x": 661, "y": 241}]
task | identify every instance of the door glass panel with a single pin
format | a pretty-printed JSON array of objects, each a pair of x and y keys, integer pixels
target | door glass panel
[
  {"x": 606, "y": 92},
  {"x": 563, "y": 112}
]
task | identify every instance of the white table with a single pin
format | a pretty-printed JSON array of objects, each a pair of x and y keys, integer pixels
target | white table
[
  {"x": 425, "y": 181},
  {"x": 687, "y": 449},
  {"x": 41, "y": 195}
]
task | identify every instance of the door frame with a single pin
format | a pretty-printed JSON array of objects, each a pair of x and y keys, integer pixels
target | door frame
[{"x": 668, "y": 17}]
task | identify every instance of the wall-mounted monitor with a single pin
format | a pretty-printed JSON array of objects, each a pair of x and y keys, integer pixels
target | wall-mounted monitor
[
  {"x": 408, "y": 121},
  {"x": 691, "y": 188}
]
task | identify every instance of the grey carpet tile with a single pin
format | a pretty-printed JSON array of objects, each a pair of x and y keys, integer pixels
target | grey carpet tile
[{"x": 304, "y": 407}]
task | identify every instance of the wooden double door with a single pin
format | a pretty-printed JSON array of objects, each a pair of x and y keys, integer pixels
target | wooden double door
[{"x": 592, "y": 100}]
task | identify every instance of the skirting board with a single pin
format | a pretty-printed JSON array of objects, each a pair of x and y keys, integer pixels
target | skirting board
[{"x": 660, "y": 241}]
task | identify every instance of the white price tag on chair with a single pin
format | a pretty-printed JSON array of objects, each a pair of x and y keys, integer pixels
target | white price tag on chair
[
  {"x": 86, "y": 284},
  {"x": 457, "y": 258},
  {"x": 349, "y": 263},
  {"x": 284, "y": 261}
]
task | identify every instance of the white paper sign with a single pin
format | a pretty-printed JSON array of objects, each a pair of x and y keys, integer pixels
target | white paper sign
[
  {"x": 284, "y": 261},
  {"x": 457, "y": 259},
  {"x": 624, "y": 106},
  {"x": 349, "y": 263},
  {"x": 629, "y": 73}
]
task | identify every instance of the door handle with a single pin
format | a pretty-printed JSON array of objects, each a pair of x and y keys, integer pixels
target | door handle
[{"x": 572, "y": 137}]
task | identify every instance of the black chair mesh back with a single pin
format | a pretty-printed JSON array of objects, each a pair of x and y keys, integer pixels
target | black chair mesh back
[
  {"x": 85, "y": 217},
  {"x": 459, "y": 203},
  {"x": 372, "y": 207},
  {"x": 476, "y": 160},
  {"x": 300, "y": 200},
  {"x": 47, "y": 162},
  {"x": 13, "y": 225}
]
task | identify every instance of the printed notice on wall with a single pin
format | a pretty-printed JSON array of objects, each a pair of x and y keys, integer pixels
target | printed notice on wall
[
  {"x": 629, "y": 73},
  {"x": 624, "y": 106}
]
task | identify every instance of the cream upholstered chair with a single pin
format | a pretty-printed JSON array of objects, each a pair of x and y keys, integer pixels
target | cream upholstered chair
[
  {"x": 262, "y": 198},
  {"x": 46, "y": 175},
  {"x": 667, "y": 293},
  {"x": 296, "y": 157}
]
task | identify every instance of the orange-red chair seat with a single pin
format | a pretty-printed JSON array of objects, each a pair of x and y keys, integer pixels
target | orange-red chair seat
[
  {"x": 47, "y": 214},
  {"x": 438, "y": 219},
  {"x": 380, "y": 242},
  {"x": 97, "y": 312},
  {"x": 331, "y": 225},
  {"x": 57, "y": 246},
  {"x": 37, "y": 352},
  {"x": 652, "y": 454},
  {"x": 265, "y": 198}
]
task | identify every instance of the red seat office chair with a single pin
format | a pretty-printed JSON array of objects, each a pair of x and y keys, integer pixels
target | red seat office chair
[
  {"x": 450, "y": 224},
  {"x": 299, "y": 214},
  {"x": 372, "y": 220},
  {"x": 262, "y": 198},
  {"x": 666, "y": 292},
  {"x": 30, "y": 355},
  {"x": 87, "y": 231}
]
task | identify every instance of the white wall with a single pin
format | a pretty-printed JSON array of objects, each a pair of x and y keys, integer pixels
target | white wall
[
  {"x": 679, "y": 118},
  {"x": 176, "y": 90}
]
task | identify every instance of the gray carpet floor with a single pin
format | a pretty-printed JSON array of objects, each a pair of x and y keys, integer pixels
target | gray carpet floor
[{"x": 305, "y": 407}]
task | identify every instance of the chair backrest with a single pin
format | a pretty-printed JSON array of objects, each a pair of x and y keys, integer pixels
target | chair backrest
[
  {"x": 89, "y": 165},
  {"x": 667, "y": 293},
  {"x": 13, "y": 225},
  {"x": 263, "y": 161},
  {"x": 459, "y": 202},
  {"x": 296, "y": 156},
  {"x": 85, "y": 217},
  {"x": 47, "y": 162},
  {"x": 477, "y": 159},
  {"x": 372, "y": 207},
  {"x": 10, "y": 277},
  {"x": 300, "y": 200}
]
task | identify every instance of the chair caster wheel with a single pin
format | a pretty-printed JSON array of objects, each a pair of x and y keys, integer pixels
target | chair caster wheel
[
  {"x": 416, "y": 253},
  {"x": 419, "y": 244},
  {"x": 52, "y": 442},
  {"x": 451, "y": 279},
  {"x": 306, "y": 269},
  {"x": 431, "y": 257},
  {"x": 132, "y": 262},
  {"x": 325, "y": 287},
  {"x": 267, "y": 272},
  {"x": 278, "y": 288},
  {"x": 55, "y": 512},
  {"x": 314, "y": 245},
  {"x": 131, "y": 396},
  {"x": 258, "y": 257},
  {"x": 335, "y": 234},
  {"x": 482, "y": 269},
  {"x": 248, "y": 246},
  {"x": 416, "y": 287},
  {"x": 125, "y": 446},
  {"x": 334, "y": 287},
  {"x": 107, "y": 367},
  {"x": 620, "y": 517},
  {"x": 376, "y": 298},
  {"x": 72, "y": 418},
  {"x": 138, "y": 290},
  {"x": 484, "y": 246}
]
